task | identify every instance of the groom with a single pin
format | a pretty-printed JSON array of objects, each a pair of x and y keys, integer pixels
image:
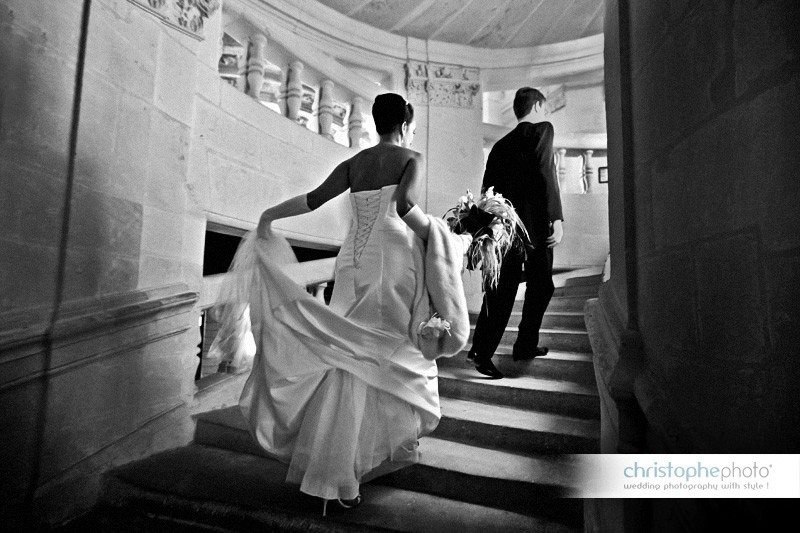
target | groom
[{"x": 521, "y": 167}]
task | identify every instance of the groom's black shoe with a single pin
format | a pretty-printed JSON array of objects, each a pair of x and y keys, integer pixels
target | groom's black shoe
[
  {"x": 487, "y": 368},
  {"x": 525, "y": 355}
]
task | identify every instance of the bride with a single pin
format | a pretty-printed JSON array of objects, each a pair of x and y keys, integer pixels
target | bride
[{"x": 343, "y": 392}]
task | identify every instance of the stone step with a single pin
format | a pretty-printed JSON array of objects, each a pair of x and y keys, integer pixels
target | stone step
[
  {"x": 531, "y": 485},
  {"x": 566, "y": 398},
  {"x": 444, "y": 466},
  {"x": 551, "y": 319},
  {"x": 589, "y": 290},
  {"x": 556, "y": 319},
  {"x": 565, "y": 366},
  {"x": 515, "y": 430},
  {"x": 593, "y": 279},
  {"x": 559, "y": 303},
  {"x": 561, "y": 339},
  {"x": 208, "y": 488}
]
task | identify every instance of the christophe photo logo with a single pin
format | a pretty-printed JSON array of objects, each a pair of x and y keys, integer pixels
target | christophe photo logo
[{"x": 689, "y": 476}]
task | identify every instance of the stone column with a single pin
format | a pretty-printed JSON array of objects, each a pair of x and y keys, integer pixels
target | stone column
[
  {"x": 326, "y": 109},
  {"x": 589, "y": 185},
  {"x": 256, "y": 61},
  {"x": 356, "y": 125},
  {"x": 294, "y": 90},
  {"x": 561, "y": 166}
]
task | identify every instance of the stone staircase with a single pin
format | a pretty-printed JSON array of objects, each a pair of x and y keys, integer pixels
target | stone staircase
[{"x": 498, "y": 460}]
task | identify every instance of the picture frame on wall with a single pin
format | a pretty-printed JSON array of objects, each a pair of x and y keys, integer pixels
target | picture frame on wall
[{"x": 602, "y": 174}]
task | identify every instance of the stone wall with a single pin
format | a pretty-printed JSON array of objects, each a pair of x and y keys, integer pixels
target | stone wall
[
  {"x": 585, "y": 241},
  {"x": 111, "y": 379},
  {"x": 244, "y": 158},
  {"x": 718, "y": 231},
  {"x": 697, "y": 328}
]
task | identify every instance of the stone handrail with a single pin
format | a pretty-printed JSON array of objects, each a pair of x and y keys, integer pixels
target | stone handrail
[{"x": 317, "y": 273}]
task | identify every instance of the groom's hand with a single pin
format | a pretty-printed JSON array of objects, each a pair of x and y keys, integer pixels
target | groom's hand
[{"x": 558, "y": 234}]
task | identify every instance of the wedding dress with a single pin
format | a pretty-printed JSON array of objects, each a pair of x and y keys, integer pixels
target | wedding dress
[{"x": 343, "y": 392}]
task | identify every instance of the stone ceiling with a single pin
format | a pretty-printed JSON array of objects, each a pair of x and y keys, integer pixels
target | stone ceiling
[{"x": 481, "y": 23}]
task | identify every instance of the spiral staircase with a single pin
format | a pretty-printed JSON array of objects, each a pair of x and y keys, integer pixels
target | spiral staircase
[{"x": 498, "y": 461}]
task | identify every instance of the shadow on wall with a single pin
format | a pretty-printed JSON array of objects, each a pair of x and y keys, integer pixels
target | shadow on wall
[{"x": 60, "y": 410}]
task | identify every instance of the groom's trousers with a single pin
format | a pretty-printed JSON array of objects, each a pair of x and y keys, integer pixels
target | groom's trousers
[{"x": 498, "y": 302}]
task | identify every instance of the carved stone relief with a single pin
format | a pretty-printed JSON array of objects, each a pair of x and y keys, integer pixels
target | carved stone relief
[
  {"x": 442, "y": 85},
  {"x": 187, "y": 16}
]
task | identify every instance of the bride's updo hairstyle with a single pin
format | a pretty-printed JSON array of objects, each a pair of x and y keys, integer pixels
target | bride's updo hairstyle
[{"x": 391, "y": 111}]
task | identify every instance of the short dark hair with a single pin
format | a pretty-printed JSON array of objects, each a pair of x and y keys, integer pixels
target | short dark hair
[
  {"x": 391, "y": 111},
  {"x": 524, "y": 100}
]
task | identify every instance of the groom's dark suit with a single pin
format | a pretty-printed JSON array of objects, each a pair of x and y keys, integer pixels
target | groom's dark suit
[{"x": 521, "y": 167}]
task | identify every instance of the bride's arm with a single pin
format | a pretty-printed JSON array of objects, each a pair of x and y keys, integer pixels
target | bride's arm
[
  {"x": 418, "y": 222},
  {"x": 334, "y": 185},
  {"x": 406, "y": 196}
]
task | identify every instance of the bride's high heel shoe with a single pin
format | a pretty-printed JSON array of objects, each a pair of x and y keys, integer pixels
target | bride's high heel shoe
[
  {"x": 346, "y": 504},
  {"x": 350, "y": 504}
]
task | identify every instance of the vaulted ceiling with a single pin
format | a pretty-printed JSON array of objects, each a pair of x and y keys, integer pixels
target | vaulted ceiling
[{"x": 481, "y": 23}]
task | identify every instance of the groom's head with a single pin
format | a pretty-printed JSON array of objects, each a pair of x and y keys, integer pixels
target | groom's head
[{"x": 526, "y": 99}]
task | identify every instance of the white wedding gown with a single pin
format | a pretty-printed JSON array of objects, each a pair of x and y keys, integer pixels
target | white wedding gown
[{"x": 341, "y": 393}]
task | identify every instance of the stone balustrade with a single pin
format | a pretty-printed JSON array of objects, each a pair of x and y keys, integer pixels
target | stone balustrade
[
  {"x": 256, "y": 76},
  {"x": 577, "y": 170}
]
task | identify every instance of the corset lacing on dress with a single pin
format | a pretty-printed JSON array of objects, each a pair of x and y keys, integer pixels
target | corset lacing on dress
[{"x": 367, "y": 208}]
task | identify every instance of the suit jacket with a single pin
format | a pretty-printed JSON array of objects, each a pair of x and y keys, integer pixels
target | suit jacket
[{"x": 522, "y": 168}]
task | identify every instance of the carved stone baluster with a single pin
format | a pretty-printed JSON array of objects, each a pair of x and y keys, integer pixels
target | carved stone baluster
[
  {"x": 588, "y": 173},
  {"x": 326, "y": 109},
  {"x": 356, "y": 125},
  {"x": 294, "y": 90},
  {"x": 256, "y": 61},
  {"x": 561, "y": 158}
]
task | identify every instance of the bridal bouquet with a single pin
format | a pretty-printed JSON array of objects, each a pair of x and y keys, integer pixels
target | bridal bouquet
[{"x": 493, "y": 223}]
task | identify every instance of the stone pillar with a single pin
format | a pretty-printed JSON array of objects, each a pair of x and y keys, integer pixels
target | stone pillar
[
  {"x": 256, "y": 61},
  {"x": 294, "y": 90},
  {"x": 326, "y": 109},
  {"x": 561, "y": 165},
  {"x": 356, "y": 125},
  {"x": 589, "y": 185}
]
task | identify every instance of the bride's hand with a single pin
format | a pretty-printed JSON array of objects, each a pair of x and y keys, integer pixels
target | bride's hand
[{"x": 264, "y": 229}]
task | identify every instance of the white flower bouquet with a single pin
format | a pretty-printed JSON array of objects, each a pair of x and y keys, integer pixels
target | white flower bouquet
[{"x": 494, "y": 225}]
